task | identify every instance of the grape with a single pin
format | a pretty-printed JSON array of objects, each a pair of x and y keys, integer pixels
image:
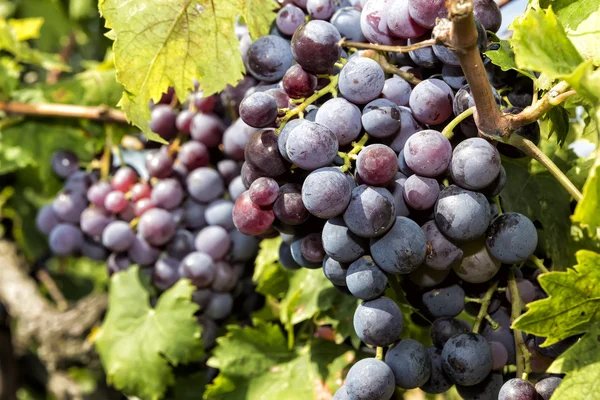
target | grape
[
  {"x": 397, "y": 190},
  {"x": 475, "y": 164},
  {"x": 438, "y": 381},
  {"x": 487, "y": 389},
  {"x": 497, "y": 185},
  {"x": 320, "y": 9},
  {"x": 401, "y": 24},
  {"x": 97, "y": 193},
  {"x": 425, "y": 12},
  {"x": 453, "y": 76},
  {"x": 165, "y": 273},
  {"x": 65, "y": 240},
  {"x": 371, "y": 211},
  {"x": 199, "y": 268},
  {"x": 311, "y": 146},
  {"x": 402, "y": 249},
  {"x": 181, "y": 244},
  {"x": 427, "y": 153},
  {"x": 262, "y": 154},
  {"x": 378, "y": 322},
  {"x": 249, "y": 218},
  {"x": 409, "y": 361},
  {"x": 467, "y": 359},
  {"x": 141, "y": 190},
  {"x": 116, "y": 202},
  {"x": 289, "y": 18},
  {"x": 326, "y": 192},
  {"x": 335, "y": 271},
  {"x": 461, "y": 214},
  {"x": 529, "y": 131},
  {"x": 408, "y": 128},
  {"x": 315, "y": 46},
  {"x": 193, "y": 155},
  {"x": 67, "y": 207},
  {"x": 445, "y": 328},
  {"x": 361, "y": 80},
  {"x": 167, "y": 194},
  {"x": 243, "y": 247},
  {"x": 488, "y": 13},
  {"x": 444, "y": 302},
  {"x": 258, "y": 110},
  {"x": 421, "y": 193},
  {"x": 511, "y": 238},
  {"x": 381, "y": 118},
  {"x": 499, "y": 356},
  {"x": 93, "y": 251},
  {"x": 159, "y": 164},
  {"x": 503, "y": 334},
  {"x": 298, "y": 83},
  {"x": 526, "y": 291},
  {"x": 285, "y": 258},
  {"x": 236, "y": 188},
  {"x": 374, "y": 25},
  {"x": 428, "y": 277},
  {"x": 207, "y": 129},
  {"x": 264, "y": 191},
  {"x": 341, "y": 117},
  {"x": 517, "y": 389},
  {"x": 268, "y": 58},
  {"x": 289, "y": 207},
  {"x": 341, "y": 394},
  {"x": 431, "y": 101},
  {"x": 156, "y": 226},
  {"x": 283, "y": 135},
  {"x": 377, "y": 165},
  {"x": 116, "y": 263},
  {"x": 162, "y": 121},
  {"x": 441, "y": 253},
  {"x": 205, "y": 184},
  {"x": 193, "y": 214},
  {"x": 445, "y": 55},
  {"x": 123, "y": 179},
  {"x": 64, "y": 163},
  {"x": 142, "y": 253},
  {"x": 347, "y": 22},
  {"x": 141, "y": 206},
  {"x": 340, "y": 244},
  {"x": 546, "y": 387},
  {"x": 229, "y": 169},
  {"x": 219, "y": 306},
  {"x": 183, "y": 121},
  {"x": 219, "y": 213},
  {"x": 397, "y": 90},
  {"x": 213, "y": 241},
  {"x": 521, "y": 95},
  {"x": 365, "y": 280},
  {"x": 370, "y": 379},
  {"x": 46, "y": 219},
  {"x": 118, "y": 236},
  {"x": 225, "y": 278},
  {"x": 477, "y": 264},
  {"x": 93, "y": 221},
  {"x": 424, "y": 57},
  {"x": 298, "y": 255}
]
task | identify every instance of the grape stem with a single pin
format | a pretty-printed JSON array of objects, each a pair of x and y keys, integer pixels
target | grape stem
[
  {"x": 379, "y": 354},
  {"x": 552, "y": 98},
  {"x": 97, "y": 113},
  {"x": 497, "y": 202},
  {"x": 449, "y": 129},
  {"x": 539, "y": 264},
  {"x": 485, "y": 304},
  {"x": 353, "y": 154},
  {"x": 523, "y": 355},
  {"x": 391, "y": 68},
  {"x": 381, "y": 47}
]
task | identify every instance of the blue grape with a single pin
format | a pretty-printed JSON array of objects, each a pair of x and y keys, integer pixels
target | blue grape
[
  {"x": 243, "y": 247},
  {"x": 365, "y": 280},
  {"x": 441, "y": 253},
  {"x": 205, "y": 185},
  {"x": 335, "y": 271},
  {"x": 424, "y": 57},
  {"x": 341, "y": 117},
  {"x": 396, "y": 188},
  {"x": 497, "y": 185},
  {"x": 93, "y": 251},
  {"x": 499, "y": 356},
  {"x": 219, "y": 306},
  {"x": 118, "y": 236},
  {"x": 378, "y": 322},
  {"x": 427, "y": 153},
  {"x": 340, "y": 243},
  {"x": 444, "y": 302},
  {"x": 64, "y": 163},
  {"x": 511, "y": 238},
  {"x": 46, "y": 219},
  {"x": 431, "y": 101},
  {"x": 410, "y": 362},
  {"x": 165, "y": 273},
  {"x": 157, "y": 226},
  {"x": 326, "y": 192},
  {"x": 341, "y": 394},
  {"x": 283, "y": 135},
  {"x": 199, "y": 268},
  {"x": 371, "y": 211},
  {"x": 311, "y": 146},
  {"x": 286, "y": 259},
  {"x": 65, "y": 240},
  {"x": 475, "y": 164},
  {"x": 467, "y": 359},
  {"x": 403, "y": 166},
  {"x": 361, "y": 80},
  {"x": 68, "y": 206},
  {"x": 208, "y": 129},
  {"x": 547, "y": 386},
  {"x": 193, "y": 214},
  {"x": 453, "y": 76},
  {"x": 370, "y": 379},
  {"x": 445, "y": 55},
  {"x": 181, "y": 244},
  {"x": 477, "y": 264},
  {"x": 381, "y": 118},
  {"x": 489, "y": 388},
  {"x": 461, "y": 214},
  {"x": 315, "y": 46},
  {"x": 503, "y": 334},
  {"x": 258, "y": 110},
  {"x": 438, "y": 381},
  {"x": 517, "y": 389},
  {"x": 214, "y": 241},
  {"x": 236, "y": 188},
  {"x": 296, "y": 250},
  {"x": 347, "y": 22},
  {"x": 117, "y": 262},
  {"x": 219, "y": 213},
  {"x": 142, "y": 253},
  {"x": 268, "y": 58},
  {"x": 289, "y": 18},
  {"x": 421, "y": 193},
  {"x": 397, "y": 90},
  {"x": 444, "y": 328},
  {"x": 402, "y": 249}
]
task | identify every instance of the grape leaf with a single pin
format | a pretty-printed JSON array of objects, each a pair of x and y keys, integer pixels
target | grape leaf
[
  {"x": 581, "y": 363},
  {"x": 340, "y": 318},
  {"x": 139, "y": 344},
  {"x": 558, "y": 123},
  {"x": 505, "y": 58},
  {"x": 10, "y": 72},
  {"x": 270, "y": 277},
  {"x": 587, "y": 210},
  {"x": 573, "y": 303},
  {"x": 26, "y": 28},
  {"x": 160, "y": 44}
]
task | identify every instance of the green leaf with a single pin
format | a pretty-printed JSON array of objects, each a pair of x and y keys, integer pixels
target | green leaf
[
  {"x": 559, "y": 124},
  {"x": 573, "y": 303},
  {"x": 78, "y": 277},
  {"x": 26, "y": 28},
  {"x": 587, "y": 211},
  {"x": 581, "y": 363},
  {"x": 340, "y": 318},
  {"x": 270, "y": 277},
  {"x": 505, "y": 58},
  {"x": 190, "y": 387},
  {"x": 9, "y": 77},
  {"x": 139, "y": 344},
  {"x": 258, "y": 15}
]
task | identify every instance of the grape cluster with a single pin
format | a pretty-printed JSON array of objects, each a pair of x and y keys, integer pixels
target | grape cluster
[{"x": 350, "y": 167}]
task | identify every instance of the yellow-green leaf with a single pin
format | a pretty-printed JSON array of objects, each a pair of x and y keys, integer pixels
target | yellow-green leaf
[
  {"x": 587, "y": 212},
  {"x": 259, "y": 16},
  {"x": 26, "y": 28}
]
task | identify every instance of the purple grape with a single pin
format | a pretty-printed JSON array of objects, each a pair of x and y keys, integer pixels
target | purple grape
[
  {"x": 183, "y": 122},
  {"x": 142, "y": 253},
  {"x": 93, "y": 251},
  {"x": 488, "y": 13},
  {"x": 236, "y": 188},
  {"x": 219, "y": 213},
  {"x": 167, "y": 194},
  {"x": 397, "y": 90},
  {"x": 117, "y": 262},
  {"x": 311, "y": 146},
  {"x": 162, "y": 121},
  {"x": 347, "y": 22},
  {"x": 268, "y": 58},
  {"x": 499, "y": 356},
  {"x": 298, "y": 83},
  {"x": 141, "y": 190},
  {"x": 441, "y": 253},
  {"x": 264, "y": 191},
  {"x": 225, "y": 277},
  {"x": 229, "y": 169},
  {"x": 207, "y": 129},
  {"x": 283, "y": 135},
  {"x": 115, "y": 202},
  {"x": 371, "y": 211},
  {"x": 402, "y": 249},
  {"x": 381, "y": 118},
  {"x": 401, "y": 24},
  {"x": 518, "y": 389},
  {"x": 64, "y": 163},
  {"x": 425, "y": 12},
  {"x": 181, "y": 244},
  {"x": 311, "y": 248},
  {"x": 320, "y": 9},
  {"x": 65, "y": 240},
  {"x": 341, "y": 117},
  {"x": 165, "y": 273},
  {"x": 205, "y": 184},
  {"x": 118, "y": 236},
  {"x": 396, "y": 188},
  {"x": 262, "y": 154},
  {"x": 97, "y": 193},
  {"x": 258, "y": 110},
  {"x": 475, "y": 164},
  {"x": 426, "y": 277},
  {"x": 326, "y": 192},
  {"x": 157, "y": 226},
  {"x": 219, "y": 306},
  {"x": 377, "y": 165},
  {"x": 453, "y": 76},
  {"x": 408, "y": 127},
  {"x": 159, "y": 164},
  {"x": 427, "y": 153},
  {"x": 68, "y": 206},
  {"x": 193, "y": 155},
  {"x": 431, "y": 101},
  {"x": 249, "y": 218},
  {"x": 421, "y": 193},
  {"x": 374, "y": 25},
  {"x": 315, "y": 46},
  {"x": 361, "y": 80},
  {"x": 46, "y": 219},
  {"x": 288, "y": 207},
  {"x": 243, "y": 247},
  {"x": 236, "y": 138},
  {"x": 93, "y": 221},
  {"x": 424, "y": 57},
  {"x": 547, "y": 386},
  {"x": 289, "y": 18},
  {"x": 199, "y": 268}
]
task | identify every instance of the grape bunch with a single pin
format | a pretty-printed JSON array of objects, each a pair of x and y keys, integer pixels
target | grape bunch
[{"x": 349, "y": 166}]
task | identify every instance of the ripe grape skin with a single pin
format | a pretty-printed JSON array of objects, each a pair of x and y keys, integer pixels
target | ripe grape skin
[
  {"x": 453, "y": 76},
  {"x": 370, "y": 379},
  {"x": 264, "y": 191},
  {"x": 397, "y": 90},
  {"x": 159, "y": 164},
  {"x": 427, "y": 153},
  {"x": 268, "y": 58},
  {"x": 494, "y": 188},
  {"x": 289, "y": 18},
  {"x": 371, "y": 211},
  {"x": 487, "y": 389},
  {"x": 401, "y": 24},
  {"x": 142, "y": 253},
  {"x": 377, "y": 165},
  {"x": 167, "y": 194},
  {"x": 347, "y": 22},
  {"x": 431, "y": 101},
  {"x": 335, "y": 271},
  {"x": 503, "y": 334},
  {"x": 285, "y": 258},
  {"x": 341, "y": 117},
  {"x": 445, "y": 328},
  {"x": 204, "y": 184},
  {"x": 115, "y": 202},
  {"x": 546, "y": 387},
  {"x": 427, "y": 277},
  {"x": 425, "y": 12},
  {"x": 320, "y": 9},
  {"x": 258, "y": 110},
  {"x": 326, "y": 192},
  {"x": 444, "y": 302},
  {"x": 64, "y": 163},
  {"x": 193, "y": 155},
  {"x": 315, "y": 46},
  {"x": 475, "y": 164},
  {"x": 445, "y": 55},
  {"x": 219, "y": 306},
  {"x": 365, "y": 280},
  {"x": 378, "y": 322},
  {"x": 225, "y": 278},
  {"x": 381, "y": 118},
  {"x": 311, "y": 146},
  {"x": 93, "y": 251},
  {"x": 402, "y": 249},
  {"x": 340, "y": 244},
  {"x": 467, "y": 359},
  {"x": 199, "y": 268},
  {"x": 289, "y": 207},
  {"x": 361, "y": 80},
  {"x": 236, "y": 188},
  {"x": 499, "y": 356},
  {"x": 441, "y": 253},
  {"x": 488, "y": 13},
  {"x": 341, "y": 394},
  {"x": 213, "y": 241},
  {"x": 421, "y": 193},
  {"x": 97, "y": 193},
  {"x": 438, "y": 381},
  {"x": 219, "y": 213},
  {"x": 157, "y": 226},
  {"x": 243, "y": 247},
  {"x": 312, "y": 248},
  {"x": 424, "y": 57},
  {"x": 396, "y": 188},
  {"x": 46, "y": 219},
  {"x": 68, "y": 206},
  {"x": 141, "y": 206},
  {"x": 298, "y": 83},
  {"x": 410, "y": 362},
  {"x": 93, "y": 221},
  {"x": 162, "y": 121},
  {"x": 461, "y": 214},
  {"x": 517, "y": 389},
  {"x": 409, "y": 126},
  {"x": 249, "y": 218},
  {"x": 511, "y": 238},
  {"x": 283, "y": 135},
  {"x": 373, "y": 23},
  {"x": 298, "y": 257},
  {"x": 123, "y": 179},
  {"x": 165, "y": 273},
  {"x": 207, "y": 129},
  {"x": 477, "y": 264},
  {"x": 65, "y": 239}
]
